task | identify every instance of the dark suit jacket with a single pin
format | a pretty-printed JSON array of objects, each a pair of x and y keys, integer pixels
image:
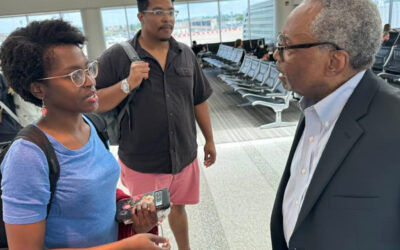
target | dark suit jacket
[{"x": 353, "y": 201}]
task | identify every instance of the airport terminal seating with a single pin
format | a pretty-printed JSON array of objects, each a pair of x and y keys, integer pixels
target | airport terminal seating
[
  {"x": 258, "y": 83},
  {"x": 388, "y": 57},
  {"x": 227, "y": 58},
  {"x": 383, "y": 53}
]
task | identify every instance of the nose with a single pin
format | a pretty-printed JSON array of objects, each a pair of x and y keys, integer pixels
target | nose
[
  {"x": 89, "y": 80},
  {"x": 166, "y": 17},
  {"x": 276, "y": 55}
]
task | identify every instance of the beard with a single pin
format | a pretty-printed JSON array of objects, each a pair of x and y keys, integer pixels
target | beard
[{"x": 165, "y": 39}]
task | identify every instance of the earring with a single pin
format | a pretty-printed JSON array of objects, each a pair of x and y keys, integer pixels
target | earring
[{"x": 44, "y": 108}]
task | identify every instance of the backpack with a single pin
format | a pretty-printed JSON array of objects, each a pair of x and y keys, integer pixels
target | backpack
[
  {"x": 9, "y": 122},
  {"x": 114, "y": 117},
  {"x": 35, "y": 135}
]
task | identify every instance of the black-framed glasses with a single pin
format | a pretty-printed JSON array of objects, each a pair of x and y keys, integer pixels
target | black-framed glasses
[
  {"x": 160, "y": 13},
  {"x": 78, "y": 77},
  {"x": 281, "y": 48}
]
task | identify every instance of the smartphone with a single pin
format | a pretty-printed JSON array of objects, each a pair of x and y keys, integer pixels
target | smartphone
[{"x": 160, "y": 198}]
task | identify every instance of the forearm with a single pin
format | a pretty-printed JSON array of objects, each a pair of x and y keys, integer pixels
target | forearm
[
  {"x": 110, "y": 97},
  {"x": 117, "y": 245},
  {"x": 203, "y": 119}
]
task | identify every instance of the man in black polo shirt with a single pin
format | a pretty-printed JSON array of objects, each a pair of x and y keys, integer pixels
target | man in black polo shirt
[{"x": 158, "y": 145}]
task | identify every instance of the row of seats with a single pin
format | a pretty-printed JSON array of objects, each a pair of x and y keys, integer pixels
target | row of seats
[
  {"x": 257, "y": 81},
  {"x": 387, "y": 60},
  {"x": 227, "y": 58}
]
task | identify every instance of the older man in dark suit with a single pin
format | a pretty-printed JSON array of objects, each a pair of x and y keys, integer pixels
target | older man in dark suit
[{"x": 341, "y": 185}]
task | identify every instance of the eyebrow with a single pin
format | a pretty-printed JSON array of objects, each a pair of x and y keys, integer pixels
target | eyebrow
[
  {"x": 287, "y": 39},
  {"x": 159, "y": 8},
  {"x": 72, "y": 68}
]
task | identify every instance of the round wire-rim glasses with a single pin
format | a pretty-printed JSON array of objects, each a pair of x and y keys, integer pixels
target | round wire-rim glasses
[{"x": 78, "y": 77}]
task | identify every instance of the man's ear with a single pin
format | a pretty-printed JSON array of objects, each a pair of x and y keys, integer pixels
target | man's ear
[
  {"x": 140, "y": 17},
  {"x": 339, "y": 61},
  {"x": 38, "y": 90}
]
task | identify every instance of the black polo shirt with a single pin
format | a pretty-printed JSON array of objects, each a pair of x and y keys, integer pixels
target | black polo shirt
[{"x": 160, "y": 135}]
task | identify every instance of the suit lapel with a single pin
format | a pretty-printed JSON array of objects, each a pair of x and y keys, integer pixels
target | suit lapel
[{"x": 344, "y": 136}]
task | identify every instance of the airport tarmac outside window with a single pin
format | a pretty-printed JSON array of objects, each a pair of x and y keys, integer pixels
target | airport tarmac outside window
[
  {"x": 133, "y": 22},
  {"x": 181, "y": 30},
  {"x": 115, "y": 25},
  {"x": 9, "y": 24},
  {"x": 204, "y": 22},
  {"x": 233, "y": 13}
]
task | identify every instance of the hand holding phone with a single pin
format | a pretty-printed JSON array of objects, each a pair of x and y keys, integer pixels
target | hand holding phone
[{"x": 143, "y": 206}]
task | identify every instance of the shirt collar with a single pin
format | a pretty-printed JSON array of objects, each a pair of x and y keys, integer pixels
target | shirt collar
[{"x": 329, "y": 108}]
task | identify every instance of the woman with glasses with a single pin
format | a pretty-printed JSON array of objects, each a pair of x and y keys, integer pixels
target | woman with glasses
[{"x": 45, "y": 65}]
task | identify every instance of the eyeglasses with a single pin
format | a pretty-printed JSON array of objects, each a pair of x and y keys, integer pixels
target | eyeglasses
[
  {"x": 160, "y": 13},
  {"x": 282, "y": 40},
  {"x": 78, "y": 77}
]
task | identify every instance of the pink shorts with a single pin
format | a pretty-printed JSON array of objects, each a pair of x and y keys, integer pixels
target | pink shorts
[{"x": 183, "y": 187}]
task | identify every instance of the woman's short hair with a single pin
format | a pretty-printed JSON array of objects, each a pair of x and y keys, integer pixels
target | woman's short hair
[{"x": 25, "y": 54}]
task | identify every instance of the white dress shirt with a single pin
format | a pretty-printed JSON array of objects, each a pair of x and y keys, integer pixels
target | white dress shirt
[{"x": 320, "y": 119}]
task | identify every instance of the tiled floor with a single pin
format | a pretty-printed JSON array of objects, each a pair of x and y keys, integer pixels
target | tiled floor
[
  {"x": 237, "y": 196},
  {"x": 237, "y": 193}
]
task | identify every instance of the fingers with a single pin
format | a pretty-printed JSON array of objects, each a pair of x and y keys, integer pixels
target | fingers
[
  {"x": 144, "y": 216},
  {"x": 140, "y": 67},
  {"x": 161, "y": 240},
  {"x": 158, "y": 239},
  {"x": 209, "y": 156},
  {"x": 139, "y": 71}
]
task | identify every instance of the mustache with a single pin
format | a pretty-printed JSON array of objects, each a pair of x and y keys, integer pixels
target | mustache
[{"x": 165, "y": 26}]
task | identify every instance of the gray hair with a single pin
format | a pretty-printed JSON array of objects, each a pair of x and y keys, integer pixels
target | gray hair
[{"x": 353, "y": 25}]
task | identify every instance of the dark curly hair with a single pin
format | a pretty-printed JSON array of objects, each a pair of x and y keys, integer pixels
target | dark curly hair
[{"x": 24, "y": 55}]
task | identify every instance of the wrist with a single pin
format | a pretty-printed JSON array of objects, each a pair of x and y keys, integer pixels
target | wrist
[
  {"x": 209, "y": 140},
  {"x": 125, "y": 87}
]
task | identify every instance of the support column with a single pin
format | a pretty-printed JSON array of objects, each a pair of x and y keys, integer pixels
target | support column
[
  {"x": 93, "y": 26},
  {"x": 282, "y": 10}
]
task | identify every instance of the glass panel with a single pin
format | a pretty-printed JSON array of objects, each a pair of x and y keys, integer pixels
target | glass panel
[
  {"x": 114, "y": 25},
  {"x": 181, "y": 29},
  {"x": 44, "y": 16},
  {"x": 262, "y": 19},
  {"x": 204, "y": 22},
  {"x": 396, "y": 15},
  {"x": 9, "y": 24},
  {"x": 383, "y": 6},
  {"x": 74, "y": 18},
  {"x": 233, "y": 13},
  {"x": 133, "y": 21}
]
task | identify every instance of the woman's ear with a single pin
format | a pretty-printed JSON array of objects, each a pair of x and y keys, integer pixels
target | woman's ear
[{"x": 38, "y": 90}]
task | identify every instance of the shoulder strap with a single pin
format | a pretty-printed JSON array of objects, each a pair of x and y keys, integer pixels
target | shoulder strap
[
  {"x": 133, "y": 56},
  {"x": 34, "y": 134},
  {"x": 130, "y": 51},
  {"x": 101, "y": 127}
]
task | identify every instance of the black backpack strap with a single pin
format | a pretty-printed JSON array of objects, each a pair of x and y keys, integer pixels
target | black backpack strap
[
  {"x": 133, "y": 57},
  {"x": 101, "y": 127},
  {"x": 34, "y": 134}
]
